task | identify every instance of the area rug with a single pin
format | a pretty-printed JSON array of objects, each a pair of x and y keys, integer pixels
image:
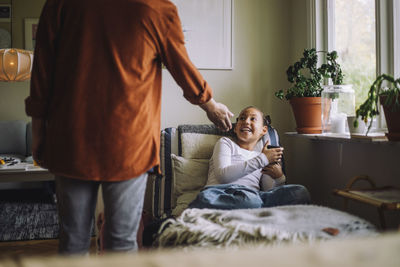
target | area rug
[
  {"x": 28, "y": 221},
  {"x": 266, "y": 226},
  {"x": 27, "y": 215}
]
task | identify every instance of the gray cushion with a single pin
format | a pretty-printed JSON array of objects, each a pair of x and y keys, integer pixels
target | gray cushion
[{"x": 13, "y": 137}]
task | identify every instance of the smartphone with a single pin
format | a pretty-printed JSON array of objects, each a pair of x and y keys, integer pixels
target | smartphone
[{"x": 273, "y": 147}]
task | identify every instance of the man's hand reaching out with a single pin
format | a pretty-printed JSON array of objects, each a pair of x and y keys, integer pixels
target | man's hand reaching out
[{"x": 218, "y": 114}]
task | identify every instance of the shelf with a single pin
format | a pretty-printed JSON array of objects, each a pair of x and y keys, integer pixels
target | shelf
[{"x": 372, "y": 138}]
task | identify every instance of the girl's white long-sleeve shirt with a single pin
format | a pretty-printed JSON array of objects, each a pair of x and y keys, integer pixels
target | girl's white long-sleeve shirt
[{"x": 231, "y": 164}]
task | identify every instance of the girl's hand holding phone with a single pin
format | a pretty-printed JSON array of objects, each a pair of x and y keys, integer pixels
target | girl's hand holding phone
[{"x": 274, "y": 155}]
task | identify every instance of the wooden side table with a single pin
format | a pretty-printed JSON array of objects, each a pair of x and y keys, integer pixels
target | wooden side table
[
  {"x": 383, "y": 198},
  {"x": 25, "y": 172}
]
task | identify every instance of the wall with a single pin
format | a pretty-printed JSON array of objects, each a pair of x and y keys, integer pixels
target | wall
[
  {"x": 260, "y": 37},
  {"x": 326, "y": 165},
  {"x": 20, "y": 10},
  {"x": 6, "y": 25},
  {"x": 24, "y": 9}
]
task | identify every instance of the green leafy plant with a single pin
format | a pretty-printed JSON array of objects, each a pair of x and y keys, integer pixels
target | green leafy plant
[
  {"x": 370, "y": 108},
  {"x": 332, "y": 69},
  {"x": 307, "y": 78}
]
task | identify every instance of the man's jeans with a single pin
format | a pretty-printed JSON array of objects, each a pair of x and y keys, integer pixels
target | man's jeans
[
  {"x": 232, "y": 196},
  {"x": 123, "y": 204}
]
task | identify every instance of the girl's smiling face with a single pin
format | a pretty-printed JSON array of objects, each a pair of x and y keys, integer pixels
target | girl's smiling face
[{"x": 250, "y": 126}]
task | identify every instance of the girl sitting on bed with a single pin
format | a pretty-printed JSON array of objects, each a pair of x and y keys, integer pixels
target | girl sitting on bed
[{"x": 242, "y": 177}]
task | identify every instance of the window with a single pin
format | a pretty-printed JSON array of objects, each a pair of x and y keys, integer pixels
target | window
[
  {"x": 366, "y": 34},
  {"x": 354, "y": 40}
]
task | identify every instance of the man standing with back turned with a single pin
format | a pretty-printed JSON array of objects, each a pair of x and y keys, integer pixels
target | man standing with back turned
[{"x": 95, "y": 104}]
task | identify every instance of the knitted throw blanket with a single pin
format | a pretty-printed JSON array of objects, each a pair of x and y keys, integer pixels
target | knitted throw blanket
[{"x": 266, "y": 226}]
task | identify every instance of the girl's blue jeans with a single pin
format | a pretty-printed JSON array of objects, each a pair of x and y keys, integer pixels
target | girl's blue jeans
[{"x": 233, "y": 196}]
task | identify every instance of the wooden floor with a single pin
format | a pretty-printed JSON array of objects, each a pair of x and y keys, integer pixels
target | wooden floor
[{"x": 34, "y": 248}]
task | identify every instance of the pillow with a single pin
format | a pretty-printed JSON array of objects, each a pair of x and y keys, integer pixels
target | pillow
[
  {"x": 189, "y": 176},
  {"x": 196, "y": 141},
  {"x": 183, "y": 201},
  {"x": 198, "y": 145}
]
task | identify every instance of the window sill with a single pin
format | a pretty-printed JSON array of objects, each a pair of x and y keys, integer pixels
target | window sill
[{"x": 375, "y": 138}]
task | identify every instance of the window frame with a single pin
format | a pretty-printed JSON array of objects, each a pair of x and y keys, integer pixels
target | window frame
[
  {"x": 320, "y": 14},
  {"x": 396, "y": 38}
]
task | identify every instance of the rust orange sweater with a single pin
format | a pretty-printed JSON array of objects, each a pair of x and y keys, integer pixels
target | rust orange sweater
[{"x": 96, "y": 80}]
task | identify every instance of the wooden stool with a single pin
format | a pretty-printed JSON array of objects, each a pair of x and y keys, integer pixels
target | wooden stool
[{"x": 384, "y": 198}]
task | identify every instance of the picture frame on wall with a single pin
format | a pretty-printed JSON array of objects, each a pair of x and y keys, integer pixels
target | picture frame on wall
[
  {"x": 207, "y": 28},
  {"x": 31, "y": 25},
  {"x": 5, "y": 13}
]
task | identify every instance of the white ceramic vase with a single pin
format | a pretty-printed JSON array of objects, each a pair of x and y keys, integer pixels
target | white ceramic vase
[{"x": 362, "y": 127}]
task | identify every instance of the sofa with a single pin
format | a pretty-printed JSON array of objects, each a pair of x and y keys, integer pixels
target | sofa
[
  {"x": 15, "y": 149},
  {"x": 16, "y": 140},
  {"x": 184, "y": 155}
]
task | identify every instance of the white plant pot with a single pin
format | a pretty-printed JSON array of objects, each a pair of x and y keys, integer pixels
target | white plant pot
[{"x": 362, "y": 127}]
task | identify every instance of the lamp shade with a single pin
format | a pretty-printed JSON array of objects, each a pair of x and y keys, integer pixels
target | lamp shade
[{"x": 15, "y": 64}]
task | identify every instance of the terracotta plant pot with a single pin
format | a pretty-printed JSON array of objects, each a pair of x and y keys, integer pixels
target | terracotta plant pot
[
  {"x": 307, "y": 112},
  {"x": 392, "y": 120}
]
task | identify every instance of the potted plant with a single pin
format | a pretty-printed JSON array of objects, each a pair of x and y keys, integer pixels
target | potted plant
[
  {"x": 389, "y": 97},
  {"x": 332, "y": 69},
  {"x": 305, "y": 94},
  {"x": 338, "y": 99}
]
